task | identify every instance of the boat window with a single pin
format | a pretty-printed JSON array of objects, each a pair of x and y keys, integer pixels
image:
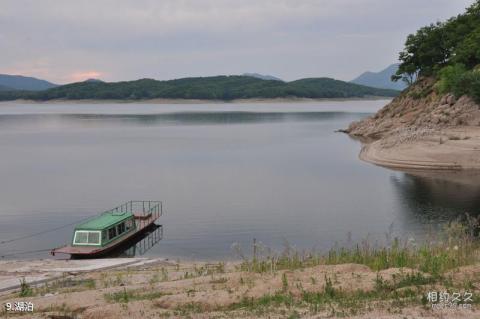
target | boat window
[
  {"x": 81, "y": 237},
  {"x": 112, "y": 232},
  {"x": 121, "y": 228},
  {"x": 128, "y": 224},
  {"x": 93, "y": 237},
  {"x": 87, "y": 237}
]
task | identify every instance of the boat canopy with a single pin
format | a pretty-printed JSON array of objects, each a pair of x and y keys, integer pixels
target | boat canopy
[{"x": 104, "y": 220}]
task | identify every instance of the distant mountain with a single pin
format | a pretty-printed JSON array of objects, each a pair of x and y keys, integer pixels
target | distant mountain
[
  {"x": 262, "y": 76},
  {"x": 18, "y": 82},
  {"x": 205, "y": 88},
  {"x": 93, "y": 80},
  {"x": 381, "y": 79}
]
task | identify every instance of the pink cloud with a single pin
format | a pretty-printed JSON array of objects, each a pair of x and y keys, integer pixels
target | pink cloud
[{"x": 85, "y": 75}]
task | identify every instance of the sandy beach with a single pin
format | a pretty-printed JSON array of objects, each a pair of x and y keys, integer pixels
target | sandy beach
[{"x": 447, "y": 149}]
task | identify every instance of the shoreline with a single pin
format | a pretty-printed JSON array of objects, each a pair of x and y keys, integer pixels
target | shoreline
[
  {"x": 355, "y": 281},
  {"x": 196, "y": 101},
  {"x": 450, "y": 149},
  {"x": 422, "y": 130}
]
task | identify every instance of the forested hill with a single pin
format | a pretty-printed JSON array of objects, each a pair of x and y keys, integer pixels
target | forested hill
[{"x": 205, "y": 88}]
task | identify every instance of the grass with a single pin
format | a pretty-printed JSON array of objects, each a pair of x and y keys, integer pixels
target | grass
[
  {"x": 208, "y": 269},
  {"x": 25, "y": 289},
  {"x": 412, "y": 279},
  {"x": 406, "y": 289},
  {"x": 126, "y": 296},
  {"x": 62, "y": 310},
  {"x": 119, "y": 278},
  {"x": 423, "y": 267},
  {"x": 277, "y": 299},
  {"x": 456, "y": 246},
  {"x": 65, "y": 285},
  {"x": 221, "y": 280},
  {"x": 192, "y": 307}
]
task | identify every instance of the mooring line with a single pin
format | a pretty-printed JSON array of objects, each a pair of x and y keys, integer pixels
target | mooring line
[{"x": 44, "y": 231}]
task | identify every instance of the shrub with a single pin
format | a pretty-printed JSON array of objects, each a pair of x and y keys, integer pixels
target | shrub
[
  {"x": 457, "y": 80},
  {"x": 450, "y": 76},
  {"x": 474, "y": 85},
  {"x": 467, "y": 84}
]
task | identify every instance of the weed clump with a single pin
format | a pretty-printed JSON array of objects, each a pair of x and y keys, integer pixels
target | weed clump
[
  {"x": 455, "y": 246},
  {"x": 126, "y": 296},
  {"x": 25, "y": 289}
]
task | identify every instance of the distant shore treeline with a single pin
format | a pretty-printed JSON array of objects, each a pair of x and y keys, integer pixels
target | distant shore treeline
[{"x": 204, "y": 88}]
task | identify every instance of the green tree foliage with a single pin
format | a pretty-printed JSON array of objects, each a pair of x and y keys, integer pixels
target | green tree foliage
[
  {"x": 424, "y": 52},
  {"x": 468, "y": 52},
  {"x": 431, "y": 48},
  {"x": 204, "y": 88},
  {"x": 469, "y": 84},
  {"x": 450, "y": 77},
  {"x": 458, "y": 80}
]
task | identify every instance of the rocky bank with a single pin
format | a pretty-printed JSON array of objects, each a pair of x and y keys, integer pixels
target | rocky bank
[{"x": 421, "y": 129}]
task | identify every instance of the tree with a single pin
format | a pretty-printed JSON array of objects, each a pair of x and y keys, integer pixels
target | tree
[
  {"x": 468, "y": 51},
  {"x": 431, "y": 48},
  {"x": 424, "y": 52}
]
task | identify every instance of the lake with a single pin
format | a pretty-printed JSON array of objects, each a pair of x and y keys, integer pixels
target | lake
[{"x": 227, "y": 173}]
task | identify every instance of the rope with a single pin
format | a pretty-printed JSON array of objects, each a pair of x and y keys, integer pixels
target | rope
[{"x": 43, "y": 232}]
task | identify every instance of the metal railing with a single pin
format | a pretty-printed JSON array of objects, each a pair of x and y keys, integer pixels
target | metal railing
[
  {"x": 139, "y": 207},
  {"x": 146, "y": 208}
]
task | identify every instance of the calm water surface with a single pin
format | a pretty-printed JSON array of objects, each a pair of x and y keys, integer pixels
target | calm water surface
[{"x": 227, "y": 173}]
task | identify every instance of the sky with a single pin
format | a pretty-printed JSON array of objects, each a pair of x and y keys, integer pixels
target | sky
[{"x": 67, "y": 41}]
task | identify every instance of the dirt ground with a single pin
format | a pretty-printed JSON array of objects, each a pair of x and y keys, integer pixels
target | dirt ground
[
  {"x": 166, "y": 289},
  {"x": 444, "y": 149}
]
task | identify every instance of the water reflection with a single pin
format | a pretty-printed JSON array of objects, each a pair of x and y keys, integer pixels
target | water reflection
[
  {"x": 205, "y": 117},
  {"x": 141, "y": 244},
  {"x": 438, "y": 195}
]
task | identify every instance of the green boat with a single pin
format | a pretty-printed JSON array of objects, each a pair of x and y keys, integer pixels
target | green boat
[{"x": 101, "y": 234}]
